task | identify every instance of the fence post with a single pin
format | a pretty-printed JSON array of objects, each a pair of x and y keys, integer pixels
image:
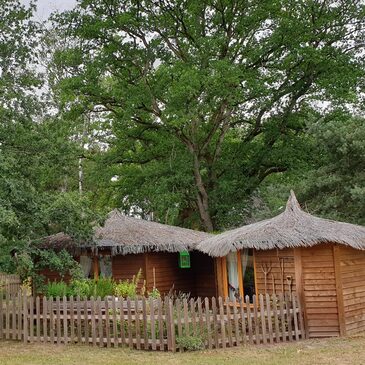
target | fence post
[
  {"x": 45, "y": 307},
  {"x": 25, "y": 318},
  {"x": 167, "y": 322},
  {"x": 172, "y": 326},
  {"x": 1, "y": 315},
  {"x": 263, "y": 319},
  {"x": 249, "y": 320},
  {"x": 207, "y": 322}
]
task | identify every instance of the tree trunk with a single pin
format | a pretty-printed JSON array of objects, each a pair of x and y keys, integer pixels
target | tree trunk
[{"x": 202, "y": 197}]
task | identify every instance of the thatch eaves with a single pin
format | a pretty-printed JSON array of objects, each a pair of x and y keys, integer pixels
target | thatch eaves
[
  {"x": 292, "y": 228},
  {"x": 126, "y": 235}
]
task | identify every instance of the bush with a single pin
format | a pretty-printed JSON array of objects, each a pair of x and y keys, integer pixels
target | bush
[
  {"x": 126, "y": 289},
  {"x": 190, "y": 343},
  {"x": 155, "y": 293},
  {"x": 102, "y": 287},
  {"x": 129, "y": 289},
  {"x": 80, "y": 288},
  {"x": 56, "y": 289}
]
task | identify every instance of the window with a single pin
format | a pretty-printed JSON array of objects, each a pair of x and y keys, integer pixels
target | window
[
  {"x": 248, "y": 272},
  {"x": 240, "y": 274},
  {"x": 232, "y": 274},
  {"x": 105, "y": 264},
  {"x": 85, "y": 263}
]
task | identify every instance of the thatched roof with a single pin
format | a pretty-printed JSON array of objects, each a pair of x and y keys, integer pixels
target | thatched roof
[
  {"x": 292, "y": 228},
  {"x": 125, "y": 235}
]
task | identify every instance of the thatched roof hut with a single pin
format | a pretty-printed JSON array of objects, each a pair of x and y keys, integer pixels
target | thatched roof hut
[
  {"x": 126, "y": 235},
  {"x": 292, "y": 228}
]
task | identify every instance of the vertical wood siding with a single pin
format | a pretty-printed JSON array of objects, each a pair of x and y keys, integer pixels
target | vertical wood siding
[
  {"x": 168, "y": 274},
  {"x": 124, "y": 267},
  {"x": 352, "y": 264},
  {"x": 270, "y": 259},
  {"x": 204, "y": 275},
  {"x": 320, "y": 296}
]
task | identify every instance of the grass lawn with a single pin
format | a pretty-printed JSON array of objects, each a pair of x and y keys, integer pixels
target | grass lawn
[{"x": 311, "y": 352}]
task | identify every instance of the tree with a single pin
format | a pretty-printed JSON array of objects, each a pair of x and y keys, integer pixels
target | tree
[
  {"x": 36, "y": 151},
  {"x": 329, "y": 177},
  {"x": 334, "y": 185},
  {"x": 196, "y": 74}
]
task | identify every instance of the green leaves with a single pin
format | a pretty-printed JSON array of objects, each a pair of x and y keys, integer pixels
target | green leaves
[{"x": 204, "y": 101}]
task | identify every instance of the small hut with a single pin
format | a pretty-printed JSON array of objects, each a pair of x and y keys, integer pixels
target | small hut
[
  {"x": 322, "y": 260},
  {"x": 165, "y": 255}
]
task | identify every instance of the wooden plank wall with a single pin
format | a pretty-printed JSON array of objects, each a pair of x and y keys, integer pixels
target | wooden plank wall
[
  {"x": 198, "y": 280},
  {"x": 352, "y": 267},
  {"x": 271, "y": 260},
  {"x": 168, "y": 274},
  {"x": 51, "y": 276},
  {"x": 320, "y": 296},
  {"x": 126, "y": 266}
]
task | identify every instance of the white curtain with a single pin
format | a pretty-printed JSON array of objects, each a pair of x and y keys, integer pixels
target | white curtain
[
  {"x": 244, "y": 261},
  {"x": 105, "y": 263},
  {"x": 85, "y": 263},
  {"x": 232, "y": 271}
]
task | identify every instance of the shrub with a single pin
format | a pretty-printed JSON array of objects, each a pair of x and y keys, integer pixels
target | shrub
[
  {"x": 129, "y": 289},
  {"x": 190, "y": 343},
  {"x": 102, "y": 287},
  {"x": 81, "y": 288},
  {"x": 154, "y": 293},
  {"x": 126, "y": 289},
  {"x": 56, "y": 289}
]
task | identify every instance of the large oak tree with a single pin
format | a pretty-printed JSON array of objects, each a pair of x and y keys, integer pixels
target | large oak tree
[{"x": 220, "y": 85}]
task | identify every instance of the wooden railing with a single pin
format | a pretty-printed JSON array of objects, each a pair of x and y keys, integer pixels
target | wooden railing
[
  {"x": 9, "y": 284},
  {"x": 152, "y": 324}
]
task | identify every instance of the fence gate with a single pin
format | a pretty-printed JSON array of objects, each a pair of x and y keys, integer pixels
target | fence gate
[{"x": 9, "y": 284}]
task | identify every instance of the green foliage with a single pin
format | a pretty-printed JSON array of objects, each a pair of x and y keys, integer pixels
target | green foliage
[
  {"x": 85, "y": 288},
  {"x": 80, "y": 287},
  {"x": 154, "y": 293},
  {"x": 129, "y": 288},
  {"x": 190, "y": 342},
  {"x": 126, "y": 289},
  {"x": 334, "y": 184},
  {"x": 204, "y": 102},
  {"x": 102, "y": 287},
  {"x": 56, "y": 289},
  {"x": 204, "y": 114}
]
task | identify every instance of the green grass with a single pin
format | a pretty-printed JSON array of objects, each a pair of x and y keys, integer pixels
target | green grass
[{"x": 328, "y": 351}]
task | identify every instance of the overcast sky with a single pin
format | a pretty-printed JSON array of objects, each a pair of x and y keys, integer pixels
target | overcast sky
[{"x": 46, "y": 7}]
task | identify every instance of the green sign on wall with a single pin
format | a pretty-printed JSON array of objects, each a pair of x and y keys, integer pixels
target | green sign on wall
[{"x": 184, "y": 260}]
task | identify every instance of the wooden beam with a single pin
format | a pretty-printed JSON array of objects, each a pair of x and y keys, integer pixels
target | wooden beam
[
  {"x": 339, "y": 291},
  {"x": 299, "y": 288},
  {"x": 225, "y": 277},
  {"x": 255, "y": 271},
  {"x": 145, "y": 269},
  {"x": 218, "y": 276},
  {"x": 240, "y": 274},
  {"x": 96, "y": 267}
]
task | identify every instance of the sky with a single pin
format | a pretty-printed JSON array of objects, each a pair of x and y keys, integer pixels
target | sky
[{"x": 46, "y": 7}]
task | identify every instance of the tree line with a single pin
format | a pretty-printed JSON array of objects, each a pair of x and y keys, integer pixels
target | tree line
[{"x": 201, "y": 114}]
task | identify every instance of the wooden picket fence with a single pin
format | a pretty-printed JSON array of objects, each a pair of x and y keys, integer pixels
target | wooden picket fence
[
  {"x": 152, "y": 324},
  {"x": 9, "y": 284}
]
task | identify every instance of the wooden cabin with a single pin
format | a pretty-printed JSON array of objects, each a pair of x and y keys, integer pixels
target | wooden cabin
[
  {"x": 125, "y": 245},
  {"x": 323, "y": 261}
]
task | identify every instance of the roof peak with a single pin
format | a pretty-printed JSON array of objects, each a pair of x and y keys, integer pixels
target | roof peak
[{"x": 292, "y": 203}]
